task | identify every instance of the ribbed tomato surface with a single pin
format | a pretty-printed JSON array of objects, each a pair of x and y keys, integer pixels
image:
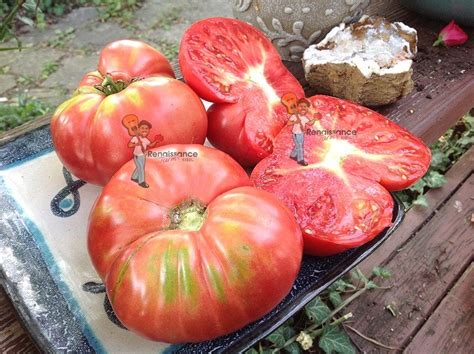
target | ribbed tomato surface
[
  {"x": 87, "y": 129},
  {"x": 199, "y": 253}
]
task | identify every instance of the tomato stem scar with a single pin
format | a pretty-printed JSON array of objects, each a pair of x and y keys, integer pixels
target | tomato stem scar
[{"x": 189, "y": 215}]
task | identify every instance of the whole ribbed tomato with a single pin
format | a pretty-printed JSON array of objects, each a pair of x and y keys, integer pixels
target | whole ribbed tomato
[
  {"x": 199, "y": 253},
  {"x": 133, "y": 80}
]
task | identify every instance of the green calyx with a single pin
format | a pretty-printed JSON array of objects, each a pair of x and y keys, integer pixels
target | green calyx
[
  {"x": 109, "y": 86},
  {"x": 438, "y": 41},
  {"x": 189, "y": 216}
]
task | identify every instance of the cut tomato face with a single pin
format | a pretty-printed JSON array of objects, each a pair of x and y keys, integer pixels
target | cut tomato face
[
  {"x": 352, "y": 158},
  {"x": 233, "y": 65},
  {"x": 196, "y": 244}
]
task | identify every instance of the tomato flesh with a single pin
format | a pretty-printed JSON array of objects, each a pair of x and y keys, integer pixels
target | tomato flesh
[
  {"x": 232, "y": 64},
  {"x": 341, "y": 198}
]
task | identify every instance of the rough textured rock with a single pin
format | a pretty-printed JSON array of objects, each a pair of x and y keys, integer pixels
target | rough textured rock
[
  {"x": 346, "y": 81},
  {"x": 368, "y": 62}
]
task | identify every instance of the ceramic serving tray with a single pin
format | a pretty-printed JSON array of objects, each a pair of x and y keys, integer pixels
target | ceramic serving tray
[{"x": 46, "y": 270}]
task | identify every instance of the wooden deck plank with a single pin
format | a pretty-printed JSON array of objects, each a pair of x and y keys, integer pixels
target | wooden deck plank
[
  {"x": 13, "y": 338},
  {"x": 450, "y": 329},
  {"x": 423, "y": 271},
  {"x": 416, "y": 217}
]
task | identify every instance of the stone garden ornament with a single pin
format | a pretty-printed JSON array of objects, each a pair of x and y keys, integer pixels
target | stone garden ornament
[{"x": 292, "y": 25}]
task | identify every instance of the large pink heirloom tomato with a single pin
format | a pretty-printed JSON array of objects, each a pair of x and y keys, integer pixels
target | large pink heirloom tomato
[
  {"x": 199, "y": 253},
  {"x": 132, "y": 79}
]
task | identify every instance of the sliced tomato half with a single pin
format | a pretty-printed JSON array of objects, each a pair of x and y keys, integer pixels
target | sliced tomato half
[
  {"x": 355, "y": 156},
  {"x": 233, "y": 65}
]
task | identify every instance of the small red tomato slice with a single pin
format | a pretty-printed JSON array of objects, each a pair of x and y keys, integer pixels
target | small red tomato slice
[
  {"x": 355, "y": 157},
  {"x": 234, "y": 65}
]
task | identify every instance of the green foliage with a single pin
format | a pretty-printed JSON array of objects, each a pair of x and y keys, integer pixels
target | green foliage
[
  {"x": 26, "y": 81},
  {"x": 122, "y": 10},
  {"x": 48, "y": 69},
  {"x": 29, "y": 12},
  {"x": 341, "y": 286},
  {"x": 15, "y": 114},
  {"x": 61, "y": 38},
  {"x": 277, "y": 337},
  {"x": 445, "y": 152},
  {"x": 334, "y": 340},
  {"x": 168, "y": 49},
  {"x": 381, "y": 272},
  {"x": 168, "y": 18},
  {"x": 32, "y": 8},
  {"x": 9, "y": 11},
  {"x": 335, "y": 298},
  {"x": 34, "y": 13},
  {"x": 55, "y": 7},
  {"x": 293, "y": 348},
  {"x": 317, "y": 311},
  {"x": 4, "y": 70},
  {"x": 321, "y": 320}
]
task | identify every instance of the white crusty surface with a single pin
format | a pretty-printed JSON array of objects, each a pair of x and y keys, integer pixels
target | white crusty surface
[{"x": 381, "y": 50}]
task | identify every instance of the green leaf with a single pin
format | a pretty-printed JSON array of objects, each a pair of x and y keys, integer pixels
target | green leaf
[
  {"x": 335, "y": 298},
  {"x": 266, "y": 351},
  {"x": 466, "y": 141},
  {"x": 293, "y": 348},
  {"x": 58, "y": 9},
  {"x": 29, "y": 5},
  {"x": 418, "y": 186},
  {"x": 252, "y": 351},
  {"x": 288, "y": 331},
  {"x": 334, "y": 340},
  {"x": 359, "y": 275},
  {"x": 277, "y": 337},
  {"x": 434, "y": 179},
  {"x": 371, "y": 285},
  {"x": 381, "y": 272},
  {"x": 439, "y": 160},
  {"x": 421, "y": 201},
  {"x": 262, "y": 350},
  {"x": 26, "y": 20},
  {"x": 469, "y": 120},
  {"x": 70, "y": 30},
  {"x": 341, "y": 285},
  {"x": 317, "y": 311}
]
